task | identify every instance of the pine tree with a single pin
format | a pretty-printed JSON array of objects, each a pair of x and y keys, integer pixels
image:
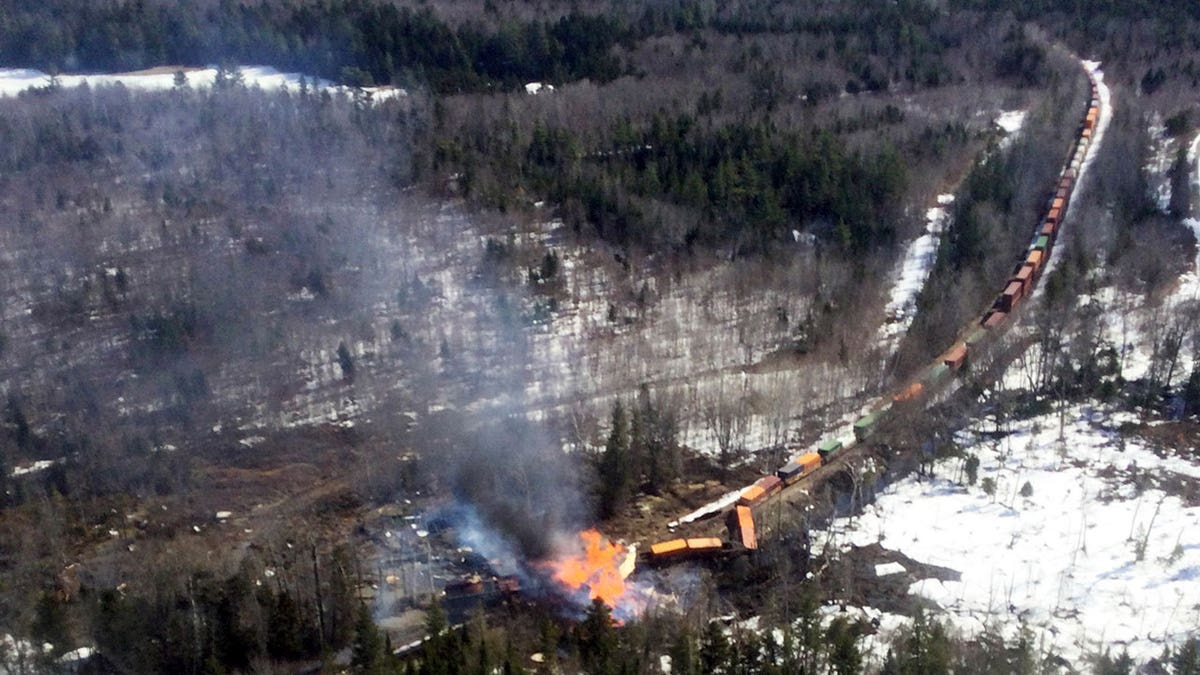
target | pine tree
[
  {"x": 345, "y": 361},
  {"x": 616, "y": 472},
  {"x": 714, "y": 648},
  {"x": 367, "y": 650},
  {"x": 683, "y": 652},
  {"x": 597, "y": 639},
  {"x": 844, "y": 655},
  {"x": 438, "y": 649},
  {"x": 1186, "y": 661}
]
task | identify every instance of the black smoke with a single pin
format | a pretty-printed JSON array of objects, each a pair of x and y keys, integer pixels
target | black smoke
[{"x": 516, "y": 481}]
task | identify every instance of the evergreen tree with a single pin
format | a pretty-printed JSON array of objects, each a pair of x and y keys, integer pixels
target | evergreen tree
[
  {"x": 438, "y": 651},
  {"x": 597, "y": 639},
  {"x": 926, "y": 648},
  {"x": 842, "y": 640},
  {"x": 616, "y": 470},
  {"x": 284, "y": 632},
  {"x": 345, "y": 361},
  {"x": 1186, "y": 661},
  {"x": 684, "y": 654},
  {"x": 714, "y": 649},
  {"x": 367, "y": 654}
]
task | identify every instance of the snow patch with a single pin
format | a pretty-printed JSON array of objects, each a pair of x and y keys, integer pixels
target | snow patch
[
  {"x": 886, "y": 569},
  {"x": 912, "y": 272}
]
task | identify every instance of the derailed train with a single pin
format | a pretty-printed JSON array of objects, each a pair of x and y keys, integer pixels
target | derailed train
[{"x": 1016, "y": 289}]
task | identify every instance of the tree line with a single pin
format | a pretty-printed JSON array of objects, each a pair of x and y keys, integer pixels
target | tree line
[{"x": 359, "y": 42}]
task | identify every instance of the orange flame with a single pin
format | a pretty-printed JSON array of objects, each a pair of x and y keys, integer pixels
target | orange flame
[{"x": 597, "y": 565}]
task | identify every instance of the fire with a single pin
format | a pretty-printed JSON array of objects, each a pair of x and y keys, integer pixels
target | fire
[{"x": 598, "y": 564}]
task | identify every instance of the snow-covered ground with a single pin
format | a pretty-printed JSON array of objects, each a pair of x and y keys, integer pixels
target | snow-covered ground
[
  {"x": 16, "y": 80},
  {"x": 1011, "y": 122},
  {"x": 1097, "y": 555},
  {"x": 911, "y": 273}
]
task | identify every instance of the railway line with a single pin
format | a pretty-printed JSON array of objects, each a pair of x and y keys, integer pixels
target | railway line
[{"x": 816, "y": 464}]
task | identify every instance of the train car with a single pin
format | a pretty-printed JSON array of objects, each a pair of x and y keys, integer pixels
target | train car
[
  {"x": 770, "y": 485},
  {"x": 740, "y": 522},
  {"x": 790, "y": 473},
  {"x": 679, "y": 549},
  {"x": 1050, "y": 224},
  {"x": 1024, "y": 276},
  {"x": 703, "y": 545},
  {"x": 866, "y": 425},
  {"x": 1041, "y": 243},
  {"x": 668, "y": 549},
  {"x": 1008, "y": 299},
  {"x": 751, "y": 495},
  {"x": 1093, "y": 116},
  {"x": 761, "y": 489},
  {"x": 994, "y": 319},
  {"x": 956, "y": 356},
  {"x": 828, "y": 448},
  {"x": 1034, "y": 259},
  {"x": 913, "y": 392},
  {"x": 799, "y": 467}
]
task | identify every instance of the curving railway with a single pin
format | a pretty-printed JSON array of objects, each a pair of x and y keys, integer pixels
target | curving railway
[{"x": 974, "y": 339}]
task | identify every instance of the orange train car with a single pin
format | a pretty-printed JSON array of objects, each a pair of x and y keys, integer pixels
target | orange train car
[
  {"x": 1008, "y": 299},
  {"x": 1034, "y": 259},
  {"x": 751, "y": 495},
  {"x": 670, "y": 548},
  {"x": 685, "y": 548},
  {"x": 741, "y": 527},
  {"x": 761, "y": 489},
  {"x": 910, "y": 393},
  {"x": 955, "y": 356}
]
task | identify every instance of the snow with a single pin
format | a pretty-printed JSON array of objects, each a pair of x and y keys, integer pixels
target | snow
[
  {"x": 1098, "y": 555},
  {"x": 912, "y": 271},
  {"x": 1189, "y": 283},
  {"x": 40, "y": 465},
  {"x": 1162, "y": 155},
  {"x": 884, "y": 569},
  {"x": 77, "y": 655},
  {"x": 16, "y": 80},
  {"x": 1011, "y": 121}
]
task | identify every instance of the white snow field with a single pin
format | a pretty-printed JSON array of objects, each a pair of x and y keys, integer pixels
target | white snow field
[{"x": 1098, "y": 556}]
